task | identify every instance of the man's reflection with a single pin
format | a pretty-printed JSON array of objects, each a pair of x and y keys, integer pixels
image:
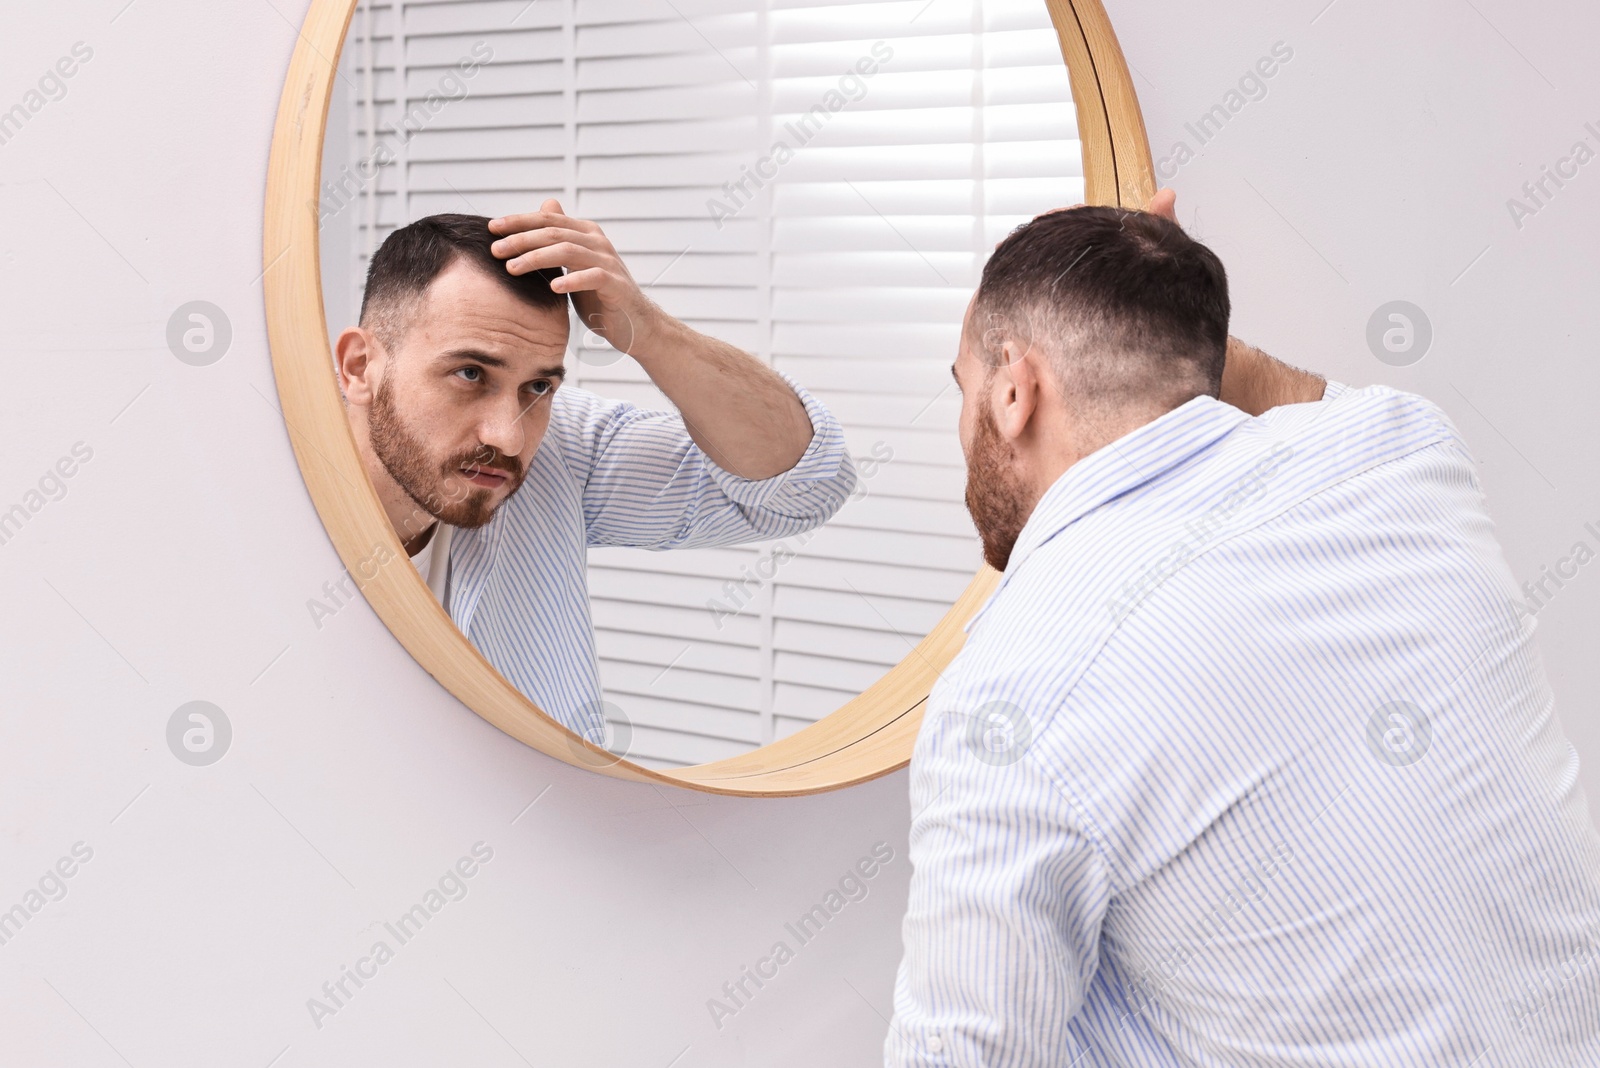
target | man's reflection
[{"x": 453, "y": 382}]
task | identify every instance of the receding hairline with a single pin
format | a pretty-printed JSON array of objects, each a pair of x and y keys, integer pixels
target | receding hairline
[
  {"x": 392, "y": 316},
  {"x": 411, "y": 258}
]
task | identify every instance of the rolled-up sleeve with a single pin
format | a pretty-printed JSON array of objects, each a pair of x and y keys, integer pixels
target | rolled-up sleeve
[{"x": 646, "y": 484}]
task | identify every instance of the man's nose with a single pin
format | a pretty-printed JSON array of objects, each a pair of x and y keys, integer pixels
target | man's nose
[{"x": 504, "y": 428}]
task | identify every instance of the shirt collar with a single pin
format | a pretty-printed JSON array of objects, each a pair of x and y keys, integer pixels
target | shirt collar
[{"x": 1125, "y": 464}]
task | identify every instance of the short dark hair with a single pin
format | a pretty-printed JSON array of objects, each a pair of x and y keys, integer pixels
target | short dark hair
[
  {"x": 1129, "y": 308},
  {"x": 411, "y": 257}
]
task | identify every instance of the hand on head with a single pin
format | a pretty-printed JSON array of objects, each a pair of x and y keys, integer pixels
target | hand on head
[{"x": 607, "y": 299}]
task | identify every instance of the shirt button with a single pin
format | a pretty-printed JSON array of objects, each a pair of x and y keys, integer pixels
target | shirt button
[{"x": 935, "y": 1044}]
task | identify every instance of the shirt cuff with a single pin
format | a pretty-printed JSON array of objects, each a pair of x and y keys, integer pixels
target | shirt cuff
[
  {"x": 824, "y": 470},
  {"x": 928, "y": 1049},
  {"x": 1332, "y": 390}
]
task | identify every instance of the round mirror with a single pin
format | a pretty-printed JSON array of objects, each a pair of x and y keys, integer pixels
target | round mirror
[{"x": 817, "y": 187}]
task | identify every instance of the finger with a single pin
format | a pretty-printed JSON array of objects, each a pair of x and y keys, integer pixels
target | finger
[
  {"x": 545, "y": 236},
  {"x": 555, "y": 230},
  {"x": 1164, "y": 204},
  {"x": 524, "y": 220},
  {"x": 572, "y": 257},
  {"x": 586, "y": 280},
  {"x": 533, "y": 220}
]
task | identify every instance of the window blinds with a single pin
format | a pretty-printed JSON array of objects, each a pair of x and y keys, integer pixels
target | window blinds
[{"x": 818, "y": 183}]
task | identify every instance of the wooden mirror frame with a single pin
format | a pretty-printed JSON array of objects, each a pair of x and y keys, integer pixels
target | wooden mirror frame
[{"x": 870, "y": 735}]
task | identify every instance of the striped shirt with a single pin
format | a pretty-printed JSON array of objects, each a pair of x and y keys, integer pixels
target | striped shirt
[
  {"x": 1250, "y": 761},
  {"x": 611, "y": 473}
]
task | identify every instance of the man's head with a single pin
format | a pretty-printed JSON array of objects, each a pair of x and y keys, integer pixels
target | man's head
[
  {"x": 1087, "y": 324},
  {"x": 448, "y": 376}
]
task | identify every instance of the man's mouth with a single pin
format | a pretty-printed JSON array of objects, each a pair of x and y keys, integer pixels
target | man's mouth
[{"x": 487, "y": 477}]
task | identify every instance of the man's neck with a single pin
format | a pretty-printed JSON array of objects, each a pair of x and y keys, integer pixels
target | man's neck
[{"x": 1090, "y": 431}]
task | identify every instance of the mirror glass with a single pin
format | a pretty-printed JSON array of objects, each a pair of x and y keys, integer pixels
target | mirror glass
[{"x": 816, "y": 184}]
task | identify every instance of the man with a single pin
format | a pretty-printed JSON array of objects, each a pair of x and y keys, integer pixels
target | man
[
  {"x": 1249, "y": 760},
  {"x": 452, "y": 383}
]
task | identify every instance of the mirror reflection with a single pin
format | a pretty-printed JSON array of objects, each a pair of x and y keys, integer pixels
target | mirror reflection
[{"x": 643, "y": 314}]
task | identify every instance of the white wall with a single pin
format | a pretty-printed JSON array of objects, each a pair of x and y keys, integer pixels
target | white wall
[{"x": 177, "y": 566}]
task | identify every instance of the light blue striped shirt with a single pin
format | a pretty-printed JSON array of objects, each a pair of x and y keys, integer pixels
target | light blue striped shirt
[
  {"x": 611, "y": 473},
  {"x": 1250, "y": 761}
]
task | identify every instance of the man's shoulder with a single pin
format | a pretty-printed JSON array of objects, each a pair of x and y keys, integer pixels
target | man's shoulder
[
  {"x": 1293, "y": 452},
  {"x": 580, "y": 423},
  {"x": 582, "y": 419},
  {"x": 1070, "y": 595},
  {"x": 1379, "y": 413},
  {"x": 573, "y": 406},
  {"x": 1278, "y": 504}
]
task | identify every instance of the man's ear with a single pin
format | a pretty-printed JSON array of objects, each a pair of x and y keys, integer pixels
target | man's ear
[
  {"x": 356, "y": 359},
  {"x": 1017, "y": 385}
]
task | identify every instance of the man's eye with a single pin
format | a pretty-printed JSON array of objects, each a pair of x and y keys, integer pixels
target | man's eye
[
  {"x": 541, "y": 387},
  {"x": 474, "y": 369}
]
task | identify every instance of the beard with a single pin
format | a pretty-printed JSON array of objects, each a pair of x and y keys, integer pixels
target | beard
[
  {"x": 405, "y": 456},
  {"x": 996, "y": 498}
]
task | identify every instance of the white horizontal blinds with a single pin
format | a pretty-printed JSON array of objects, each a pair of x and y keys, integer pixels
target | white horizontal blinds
[
  {"x": 670, "y": 105},
  {"x": 488, "y": 139},
  {"x": 846, "y": 260}
]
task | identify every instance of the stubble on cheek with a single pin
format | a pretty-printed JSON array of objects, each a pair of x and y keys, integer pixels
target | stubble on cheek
[{"x": 993, "y": 496}]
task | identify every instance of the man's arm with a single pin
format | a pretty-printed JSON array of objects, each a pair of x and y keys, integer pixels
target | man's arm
[
  {"x": 646, "y": 484},
  {"x": 737, "y": 409},
  {"x": 1254, "y": 381}
]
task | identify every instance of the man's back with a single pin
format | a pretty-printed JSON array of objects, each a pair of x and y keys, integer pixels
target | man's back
[{"x": 1284, "y": 783}]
